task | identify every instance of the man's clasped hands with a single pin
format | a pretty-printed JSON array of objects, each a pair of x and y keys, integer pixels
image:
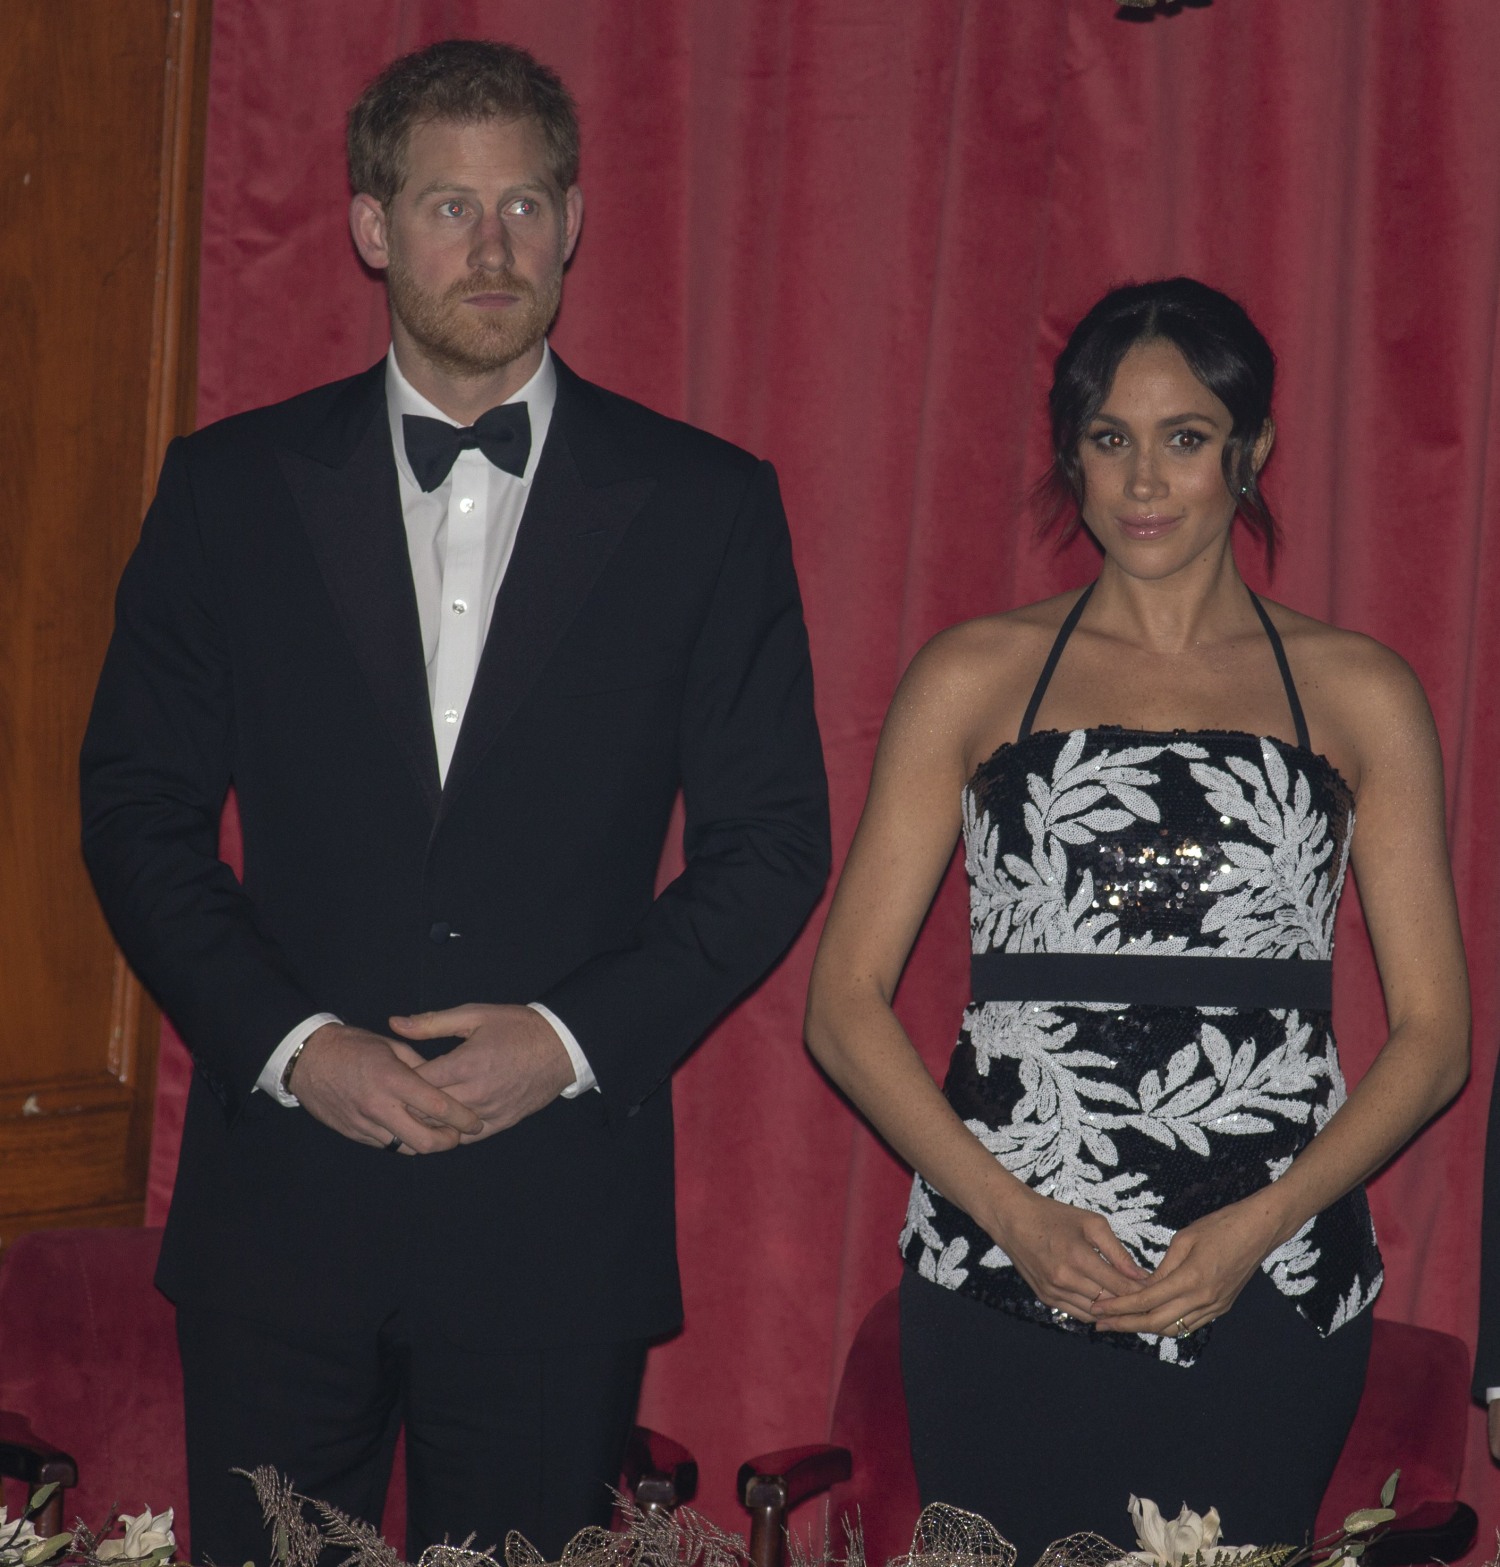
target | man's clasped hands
[{"x": 382, "y": 1091}]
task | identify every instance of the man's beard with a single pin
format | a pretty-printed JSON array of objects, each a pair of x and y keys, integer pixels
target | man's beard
[{"x": 464, "y": 342}]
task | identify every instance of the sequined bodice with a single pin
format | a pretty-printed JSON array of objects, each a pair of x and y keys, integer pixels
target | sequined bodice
[
  {"x": 1151, "y": 921},
  {"x": 1112, "y": 840}
]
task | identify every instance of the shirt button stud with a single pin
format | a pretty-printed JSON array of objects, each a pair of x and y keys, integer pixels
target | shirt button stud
[
  {"x": 459, "y": 606},
  {"x": 466, "y": 504},
  {"x": 451, "y": 716}
]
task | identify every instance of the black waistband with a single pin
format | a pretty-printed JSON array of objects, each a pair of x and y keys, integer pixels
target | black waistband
[{"x": 1303, "y": 984}]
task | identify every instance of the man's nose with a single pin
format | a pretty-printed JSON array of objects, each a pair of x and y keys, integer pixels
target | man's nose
[{"x": 491, "y": 249}]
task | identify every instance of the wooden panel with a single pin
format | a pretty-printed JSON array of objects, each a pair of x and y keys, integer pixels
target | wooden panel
[
  {"x": 100, "y": 164},
  {"x": 118, "y": 1216},
  {"x": 84, "y": 1152}
]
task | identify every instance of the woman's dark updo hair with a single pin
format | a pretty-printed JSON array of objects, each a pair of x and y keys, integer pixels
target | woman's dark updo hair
[{"x": 1223, "y": 348}]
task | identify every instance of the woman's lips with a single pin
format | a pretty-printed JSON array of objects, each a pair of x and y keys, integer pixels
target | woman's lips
[{"x": 1150, "y": 526}]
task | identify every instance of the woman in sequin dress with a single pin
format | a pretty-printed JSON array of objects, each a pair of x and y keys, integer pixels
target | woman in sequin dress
[{"x": 1139, "y": 1256}]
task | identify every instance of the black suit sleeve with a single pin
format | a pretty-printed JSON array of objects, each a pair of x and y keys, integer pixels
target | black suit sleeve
[
  {"x": 756, "y": 835},
  {"x": 155, "y": 770},
  {"x": 1487, "y": 1352}
]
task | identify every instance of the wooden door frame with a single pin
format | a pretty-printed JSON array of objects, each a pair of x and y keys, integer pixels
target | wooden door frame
[{"x": 135, "y": 1022}]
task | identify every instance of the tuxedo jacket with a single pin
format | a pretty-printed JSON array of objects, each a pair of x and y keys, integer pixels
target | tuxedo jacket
[{"x": 647, "y": 637}]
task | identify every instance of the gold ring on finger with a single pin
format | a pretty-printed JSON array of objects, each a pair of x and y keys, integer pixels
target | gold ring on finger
[{"x": 1179, "y": 1329}]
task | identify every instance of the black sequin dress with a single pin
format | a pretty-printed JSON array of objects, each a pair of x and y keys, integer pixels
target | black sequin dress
[{"x": 1149, "y": 1037}]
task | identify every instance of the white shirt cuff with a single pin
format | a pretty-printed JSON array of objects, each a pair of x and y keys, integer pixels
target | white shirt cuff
[
  {"x": 583, "y": 1073},
  {"x": 269, "y": 1081},
  {"x": 1491, "y": 1394}
]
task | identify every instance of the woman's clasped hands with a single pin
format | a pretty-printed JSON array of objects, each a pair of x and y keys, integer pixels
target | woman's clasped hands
[{"x": 1077, "y": 1266}]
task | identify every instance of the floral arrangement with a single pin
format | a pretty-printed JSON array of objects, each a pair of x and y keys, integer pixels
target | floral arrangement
[
  {"x": 146, "y": 1538},
  {"x": 1192, "y": 1541},
  {"x": 945, "y": 1537}
]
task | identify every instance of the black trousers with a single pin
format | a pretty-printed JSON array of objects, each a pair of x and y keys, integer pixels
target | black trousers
[
  {"x": 1048, "y": 1433},
  {"x": 510, "y": 1438}
]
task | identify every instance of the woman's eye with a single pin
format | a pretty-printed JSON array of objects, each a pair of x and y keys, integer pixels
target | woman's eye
[
  {"x": 1106, "y": 440},
  {"x": 1187, "y": 440}
]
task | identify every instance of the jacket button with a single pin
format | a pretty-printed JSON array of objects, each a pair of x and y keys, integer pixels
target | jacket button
[{"x": 439, "y": 932}]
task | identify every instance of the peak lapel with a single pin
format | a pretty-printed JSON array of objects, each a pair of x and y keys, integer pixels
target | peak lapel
[
  {"x": 571, "y": 526},
  {"x": 343, "y": 480}
]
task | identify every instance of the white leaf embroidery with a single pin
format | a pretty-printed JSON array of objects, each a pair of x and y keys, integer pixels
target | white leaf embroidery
[{"x": 1276, "y": 877}]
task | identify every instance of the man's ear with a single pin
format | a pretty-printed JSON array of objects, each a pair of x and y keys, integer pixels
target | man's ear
[
  {"x": 367, "y": 225},
  {"x": 572, "y": 219}
]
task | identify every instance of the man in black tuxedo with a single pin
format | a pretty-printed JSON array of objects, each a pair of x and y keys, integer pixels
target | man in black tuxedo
[{"x": 457, "y": 631}]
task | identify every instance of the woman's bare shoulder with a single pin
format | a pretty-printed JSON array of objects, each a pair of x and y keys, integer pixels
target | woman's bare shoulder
[
  {"x": 978, "y": 657},
  {"x": 1355, "y": 664},
  {"x": 977, "y": 647},
  {"x": 1352, "y": 686},
  {"x": 975, "y": 677}
]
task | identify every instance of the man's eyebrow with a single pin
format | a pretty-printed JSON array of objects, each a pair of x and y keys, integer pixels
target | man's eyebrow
[
  {"x": 437, "y": 187},
  {"x": 457, "y": 188}
]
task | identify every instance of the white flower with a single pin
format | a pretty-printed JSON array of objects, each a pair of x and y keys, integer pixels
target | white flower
[
  {"x": 144, "y": 1533},
  {"x": 1172, "y": 1544},
  {"x": 15, "y": 1538}
]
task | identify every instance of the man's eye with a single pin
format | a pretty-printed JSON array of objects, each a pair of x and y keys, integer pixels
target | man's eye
[
  {"x": 452, "y": 209},
  {"x": 524, "y": 207}
]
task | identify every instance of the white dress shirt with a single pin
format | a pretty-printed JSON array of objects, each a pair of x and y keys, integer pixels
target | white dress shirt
[{"x": 459, "y": 538}]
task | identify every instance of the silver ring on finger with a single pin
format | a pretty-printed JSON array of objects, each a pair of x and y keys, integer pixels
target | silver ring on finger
[{"x": 394, "y": 1146}]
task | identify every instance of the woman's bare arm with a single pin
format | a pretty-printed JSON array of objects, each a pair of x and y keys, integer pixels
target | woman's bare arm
[{"x": 905, "y": 839}]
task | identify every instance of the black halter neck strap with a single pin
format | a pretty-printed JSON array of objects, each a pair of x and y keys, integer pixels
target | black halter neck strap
[
  {"x": 1059, "y": 642},
  {"x": 1064, "y": 631},
  {"x": 1293, "y": 701}
]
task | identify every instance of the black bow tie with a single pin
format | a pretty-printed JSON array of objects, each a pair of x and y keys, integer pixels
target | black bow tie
[{"x": 432, "y": 447}]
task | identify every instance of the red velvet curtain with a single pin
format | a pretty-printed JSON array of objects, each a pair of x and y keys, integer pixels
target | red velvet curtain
[{"x": 851, "y": 234}]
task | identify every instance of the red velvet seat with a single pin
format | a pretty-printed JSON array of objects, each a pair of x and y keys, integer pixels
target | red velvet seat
[
  {"x": 88, "y": 1356},
  {"x": 1413, "y": 1416},
  {"x": 869, "y": 1418}
]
